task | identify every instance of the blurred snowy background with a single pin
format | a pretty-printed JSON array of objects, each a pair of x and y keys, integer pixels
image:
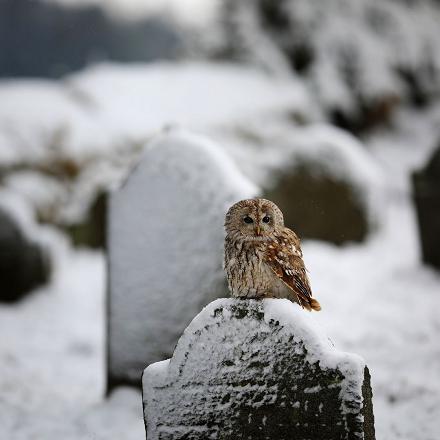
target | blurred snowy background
[{"x": 328, "y": 107}]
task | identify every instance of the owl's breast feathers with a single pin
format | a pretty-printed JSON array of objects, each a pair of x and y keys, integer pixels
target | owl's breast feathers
[{"x": 282, "y": 253}]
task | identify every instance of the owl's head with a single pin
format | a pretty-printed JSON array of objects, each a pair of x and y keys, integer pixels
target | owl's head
[{"x": 254, "y": 217}]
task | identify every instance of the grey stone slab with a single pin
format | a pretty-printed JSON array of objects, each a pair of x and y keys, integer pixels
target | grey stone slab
[{"x": 248, "y": 369}]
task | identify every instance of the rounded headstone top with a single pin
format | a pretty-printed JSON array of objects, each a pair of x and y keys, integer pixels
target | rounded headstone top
[
  {"x": 196, "y": 159},
  {"x": 165, "y": 246},
  {"x": 257, "y": 369}
]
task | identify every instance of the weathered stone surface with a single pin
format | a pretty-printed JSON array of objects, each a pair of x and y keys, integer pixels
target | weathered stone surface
[
  {"x": 247, "y": 369},
  {"x": 165, "y": 247},
  {"x": 24, "y": 265}
]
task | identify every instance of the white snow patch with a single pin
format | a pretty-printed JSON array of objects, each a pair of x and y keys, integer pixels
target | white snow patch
[
  {"x": 94, "y": 111},
  {"x": 98, "y": 121}
]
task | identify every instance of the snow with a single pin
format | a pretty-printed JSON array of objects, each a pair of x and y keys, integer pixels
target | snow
[
  {"x": 306, "y": 329},
  {"x": 22, "y": 214},
  {"x": 220, "y": 334},
  {"x": 358, "y": 49},
  {"x": 35, "y": 113},
  {"x": 93, "y": 110},
  {"x": 390, "y": 317},
  {"x": 204, "y": 85},
  {"x": 52, "y": 361},
  {"x": 168, "y": 212},
  {"x": 100, "y": 119},
  {"x": 263, "y": 149},
  {"x": 378, "y": 299}
]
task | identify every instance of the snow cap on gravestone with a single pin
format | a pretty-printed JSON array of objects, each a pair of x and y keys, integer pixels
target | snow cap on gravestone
[{"x": 165, "y": 247}]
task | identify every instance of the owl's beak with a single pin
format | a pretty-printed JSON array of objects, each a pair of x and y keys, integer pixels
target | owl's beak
[{"x": 257, "y": 230}]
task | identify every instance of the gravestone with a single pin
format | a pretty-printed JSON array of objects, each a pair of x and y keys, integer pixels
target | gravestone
[
  {"x": 317, "y": 205},
  {"x": 327, "y": 186},
  {"x": 326, "y": 183},
  {"x": 249, "y": 369},
  {"x": 24, "y": 264},
  {"x": 426, "y": 194},
  {"x": 165, "y": 248}
]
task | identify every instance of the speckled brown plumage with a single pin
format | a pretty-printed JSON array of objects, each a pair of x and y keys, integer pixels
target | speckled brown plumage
[{"x": 263, "y": 258}]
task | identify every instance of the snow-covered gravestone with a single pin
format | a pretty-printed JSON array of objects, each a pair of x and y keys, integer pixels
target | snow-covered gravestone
[
  {"x": 248, "y": 369},
  {"x": 165, "y": 239}
]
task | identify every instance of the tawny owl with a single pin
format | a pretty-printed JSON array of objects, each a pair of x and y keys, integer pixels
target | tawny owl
[{"x": 263, "y": 258}]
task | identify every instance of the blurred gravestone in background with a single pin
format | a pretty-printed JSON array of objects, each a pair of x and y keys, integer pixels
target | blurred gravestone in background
[
  {"x": 318, "y": 206},
  {"x": 38, "y": 38},
  {"x": 325, "y": 193},
  {"x": 426, "y": 192},
  {"x": 165, "y": 248},
  {"x": 24, "y": 264},
  {"x": 257, "y": 370},
  {"x": 327, "y": 185},
  {"x": 91, "y": 231}
]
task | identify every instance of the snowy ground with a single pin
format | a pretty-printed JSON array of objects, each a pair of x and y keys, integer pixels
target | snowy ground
[{"x": 378, "y": 301}]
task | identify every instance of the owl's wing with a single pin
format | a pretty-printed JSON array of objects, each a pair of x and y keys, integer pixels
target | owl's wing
[{"x": 284, "y": 256}]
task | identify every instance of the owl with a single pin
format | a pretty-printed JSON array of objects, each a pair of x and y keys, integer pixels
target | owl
[{"x": 263, "y": 258}]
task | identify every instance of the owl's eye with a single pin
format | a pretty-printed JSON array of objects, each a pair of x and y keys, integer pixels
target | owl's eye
[
  {"x": 247, "y": 219},
  {"x": 266, "y": 219}
]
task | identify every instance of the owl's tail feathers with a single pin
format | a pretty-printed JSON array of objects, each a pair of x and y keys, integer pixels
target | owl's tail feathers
[
  {"x": 309, "y": 303},
  {"x": 314, "y": 304}
]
